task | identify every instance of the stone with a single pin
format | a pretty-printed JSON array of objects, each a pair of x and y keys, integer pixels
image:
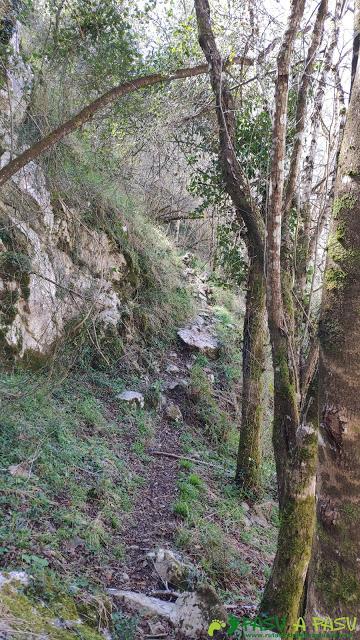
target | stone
[
  {"x": 172, "y": 411},
  {"x": 245, "y": 506},
  {"x": 191, "y": 613},
  {"x": 156, "y": 629},
  {"x": 172, "y": 368},
  {"x": 148, "y": 605},
  {"x": 20, "y": 470},
  {"x": 260, "y": 520},
  {"x": 133, "y": 397},
  {"x": 198, "y": 338},
  {"x": 171, "y": 568},
  {"x": 125, "y": 577},
  {"x": 14, "y": 578},
  {"x": 194, "y": 611},
  {"x": 172, "y": 384}
]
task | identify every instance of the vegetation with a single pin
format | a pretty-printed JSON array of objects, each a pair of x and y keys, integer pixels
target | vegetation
[{"x": 179, "y": 266}]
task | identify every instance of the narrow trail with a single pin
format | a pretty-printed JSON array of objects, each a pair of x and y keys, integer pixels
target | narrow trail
[
  {"x": 153, "y": 522},
  {"x": 231, "y": 548}
]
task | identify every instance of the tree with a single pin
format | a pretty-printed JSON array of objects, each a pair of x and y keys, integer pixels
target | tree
[
  {"x": 294, "y": 438},
  {"x": 334, "y": 575},
  {"x": 238, "y": 188}
]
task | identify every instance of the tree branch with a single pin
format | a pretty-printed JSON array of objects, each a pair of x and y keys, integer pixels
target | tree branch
[
  {"x": 100, "y": 103},
  {"x": 301, "y": 110},
  {"x": 235, "y": 180},
  {"x": 274, "y": 220}
]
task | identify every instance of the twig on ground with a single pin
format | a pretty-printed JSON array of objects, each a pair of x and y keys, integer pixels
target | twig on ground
[
  {"x": 164, "y": 592},
  {"x": 167, "y": 454}
]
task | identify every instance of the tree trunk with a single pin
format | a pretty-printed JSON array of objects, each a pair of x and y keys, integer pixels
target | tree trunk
[
  {"x": 249, "y": 454},
  {"x": 334, "y": 576},
  {"x": 294, "y": 440},
  {"x": 295, "y": 444}
]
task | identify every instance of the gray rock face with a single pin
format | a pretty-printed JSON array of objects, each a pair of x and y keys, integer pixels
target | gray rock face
[
  {"x": 57, "y": 290},
  {"x": 199, "y": 337},
  {"x": 59, "y": 287}
]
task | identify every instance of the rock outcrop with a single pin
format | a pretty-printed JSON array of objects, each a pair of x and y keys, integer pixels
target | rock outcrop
[
  {"x": 191, "y": 613},
  {"x": 53, "y": 267}
]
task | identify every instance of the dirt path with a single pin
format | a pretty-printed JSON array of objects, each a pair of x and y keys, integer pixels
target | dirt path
[{"x": 153, "y": 523}]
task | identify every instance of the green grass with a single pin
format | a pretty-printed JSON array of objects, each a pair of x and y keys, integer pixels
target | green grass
[{"x": 65, "y": 475}]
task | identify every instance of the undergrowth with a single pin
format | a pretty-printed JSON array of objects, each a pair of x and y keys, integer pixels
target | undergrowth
[
  {"x": 65, "y": 483},
  {"x": 213, "y": 512},
  {"x": 68, "y": 445}
]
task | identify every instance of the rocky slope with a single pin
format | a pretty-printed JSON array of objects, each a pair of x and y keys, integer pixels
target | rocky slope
[{"x": 53, "y": 266}]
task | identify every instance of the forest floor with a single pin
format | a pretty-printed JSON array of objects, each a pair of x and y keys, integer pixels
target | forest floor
[
  {"x": 87, "y": 489},
  {"x": 190, "y": 503}
]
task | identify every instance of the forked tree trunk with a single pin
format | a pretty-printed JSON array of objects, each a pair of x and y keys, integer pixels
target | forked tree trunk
[
  {"x": 334, "y": 576},
  {"x": 249, "y": 453},
  {"x": 294, "y": 440}
]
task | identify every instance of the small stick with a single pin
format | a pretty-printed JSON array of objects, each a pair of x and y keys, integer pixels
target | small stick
[
  {"x": 159, "y": 592},
  {"x": 167, "y": 454}
]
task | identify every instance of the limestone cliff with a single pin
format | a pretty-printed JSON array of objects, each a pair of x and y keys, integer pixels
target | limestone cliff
[{"x": 53, "y": 267}]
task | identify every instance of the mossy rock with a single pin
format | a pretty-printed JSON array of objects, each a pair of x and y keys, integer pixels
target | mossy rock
[{"x": 60, "y": 620}]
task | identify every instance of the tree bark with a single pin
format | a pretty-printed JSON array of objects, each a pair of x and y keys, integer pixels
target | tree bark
[
  {"x": 307, "y": 236},
  {"x": 293, "y": 438},
  {"x": 301, "y": 111},
  {"x": 334, "y": 576},
  {"x": 100, "y": 103},
  {"x": 249, "y": 453}
]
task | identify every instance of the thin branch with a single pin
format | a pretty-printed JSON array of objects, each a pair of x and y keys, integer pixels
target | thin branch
[
  {"x": 301, "y": 110},
  {"x": 100, "y": 103}
]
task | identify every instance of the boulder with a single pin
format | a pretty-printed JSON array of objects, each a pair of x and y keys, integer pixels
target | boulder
[
  {"x": 173, "y": 412},
  {"x": 198, "y": 337},
  {"x": 194, "y": 612},
  {"x": 133, "y": 397},
  {"x": 191, "y": 613},
  {"x": 147, "y": 605}
]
